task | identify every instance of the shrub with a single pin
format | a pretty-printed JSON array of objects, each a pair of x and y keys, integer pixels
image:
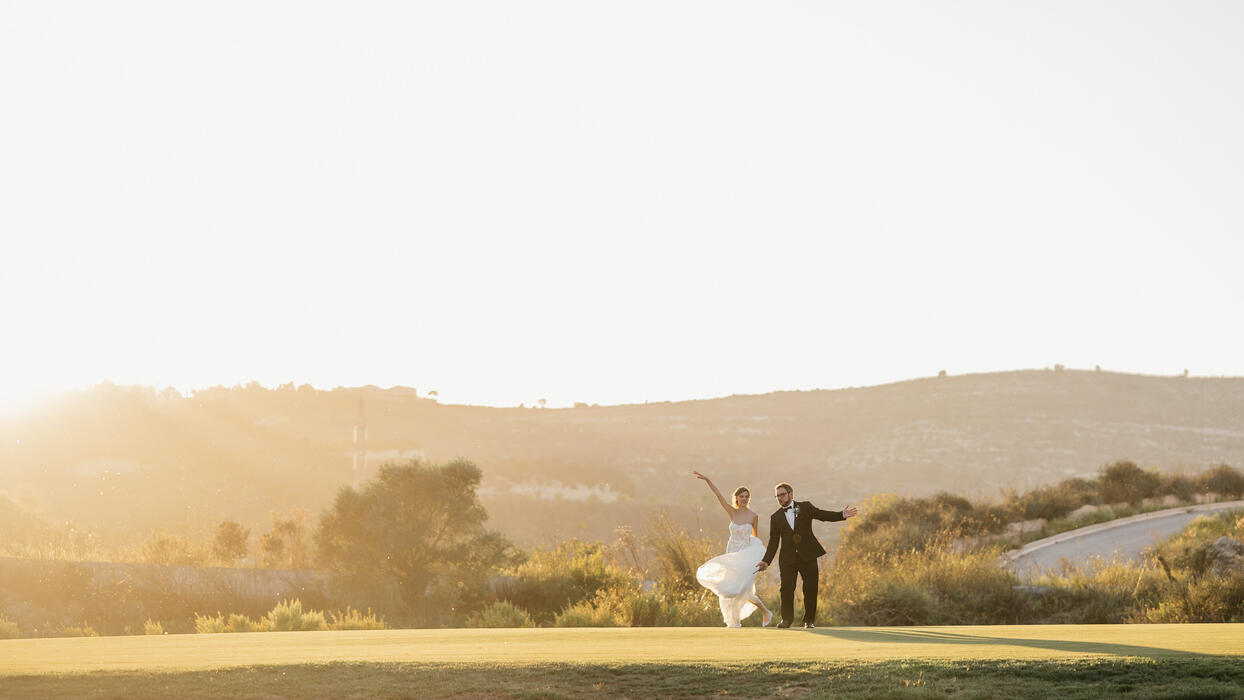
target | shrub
[
  {"x": 552, "y": 580},
  {"x": 83, "y": 630},
  {"x": 204, "y": 624},
  {"x": 1102, "y": 592},
  {"x": 1206, "y": 599},
  {"x": 1182, "y": 487},
  {"x": 1124, "y": 482},
  {"x": 235, "y": 623},
  {"x": 503, "y": 614},
  {"x": 1190, "y": 552},
  {"x": 1053, "y": 502},
  {"x": 1222, "y": 480},
  {"x": 242, "y": 623},
  {"x": 894, "y": 525},
  {"x": 288, "y": 616},
  {"x": 585, "y": 614},
  {"x": 352, "y": 619},
  {"x": 892, "y": 603},
  {"x": 632, "y": 606},
  {"x": 678, "y": 552},
  {"x": 936, "y": 585},
  {"x": 152, "y": 627},
  {"x": 9, "y": 629}
]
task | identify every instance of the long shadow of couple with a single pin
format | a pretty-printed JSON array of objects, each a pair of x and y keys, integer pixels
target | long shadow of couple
[{"x": 926, "y": 636}]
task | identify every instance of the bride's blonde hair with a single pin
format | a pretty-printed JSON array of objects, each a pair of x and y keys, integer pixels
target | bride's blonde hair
[{"x": 735, "y": 498}]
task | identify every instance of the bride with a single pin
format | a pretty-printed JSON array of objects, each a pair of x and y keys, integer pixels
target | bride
[{"x": 732, "y": 576}]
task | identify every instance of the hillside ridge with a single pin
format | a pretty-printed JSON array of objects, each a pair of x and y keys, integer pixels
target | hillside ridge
[{"x": 245, "y": 451}]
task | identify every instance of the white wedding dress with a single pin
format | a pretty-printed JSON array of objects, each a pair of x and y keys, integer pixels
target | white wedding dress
[{"x": 732, "y": 576}]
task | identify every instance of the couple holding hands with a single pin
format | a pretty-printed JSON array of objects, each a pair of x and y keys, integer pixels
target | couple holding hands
[{"x": 732, "y": 576}]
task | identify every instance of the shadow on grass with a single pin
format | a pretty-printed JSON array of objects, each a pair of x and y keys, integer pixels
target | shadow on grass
[
  {"x": 1081, "y": 679},
  {"x": 907, "y": 636}
]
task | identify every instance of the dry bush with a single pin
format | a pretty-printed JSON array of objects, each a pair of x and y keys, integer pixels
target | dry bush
[
  {"x": 503, "y": 614},
  {"x": 82, "y": 630},
  {"x": 585, "y": 614},
  {"x": 678, "y": 553},
  {"x": 352, "y": 619},
  {"x": 892, "y": 525},
  {"x": 1124, "y": 482},
  {"x": 554, "y": 579},
  {"x": 936, "y": 585},
  {"x": 1052, "y": 502},
  {"x": 288, "y": 616},
  {"x": 1223, "y": 480},
  {"x": 1099, "y": 592},
  {"x": 659, "y": 606}
]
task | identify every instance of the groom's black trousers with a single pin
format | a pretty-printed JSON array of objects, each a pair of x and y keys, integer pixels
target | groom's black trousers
[{"x": 808, "y": 571}]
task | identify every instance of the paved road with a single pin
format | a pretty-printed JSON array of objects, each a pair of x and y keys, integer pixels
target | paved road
[{"x": 1125, "y": 538}]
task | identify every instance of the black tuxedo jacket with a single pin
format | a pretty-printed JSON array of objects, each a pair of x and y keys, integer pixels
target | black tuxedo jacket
[{"x": 799, "y": 543}]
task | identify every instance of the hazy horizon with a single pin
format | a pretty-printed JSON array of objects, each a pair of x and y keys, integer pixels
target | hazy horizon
[{"x": 423, "y": 392}]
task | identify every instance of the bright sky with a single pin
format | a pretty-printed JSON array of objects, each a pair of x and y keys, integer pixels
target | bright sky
[{"x": 616, "y": 201}]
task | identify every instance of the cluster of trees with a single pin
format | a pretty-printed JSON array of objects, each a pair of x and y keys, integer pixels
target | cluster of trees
[
  {"x": 412, "y": 541},
  {"x": 285, "y": 545}
]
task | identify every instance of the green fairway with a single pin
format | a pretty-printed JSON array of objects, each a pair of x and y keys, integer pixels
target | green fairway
[
  {"x": 1004, "y": 661},
  {"x": 615, "y": 645}
]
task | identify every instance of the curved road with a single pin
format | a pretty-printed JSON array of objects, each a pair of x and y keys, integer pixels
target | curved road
[{"x": 1125, "y": 538}]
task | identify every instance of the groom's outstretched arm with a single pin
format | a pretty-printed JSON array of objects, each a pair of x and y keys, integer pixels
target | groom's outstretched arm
[{"x": 831, "y": 515}]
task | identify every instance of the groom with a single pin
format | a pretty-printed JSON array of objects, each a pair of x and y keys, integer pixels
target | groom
[{"x": 791, "y": 527}]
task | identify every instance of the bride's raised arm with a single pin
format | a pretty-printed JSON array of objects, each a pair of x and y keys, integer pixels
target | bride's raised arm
[{"x": 720, "y": 498}]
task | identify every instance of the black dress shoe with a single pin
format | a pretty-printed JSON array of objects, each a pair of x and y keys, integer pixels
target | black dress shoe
[
  {"x": 783, "y": 625},
  {"x": 809, "y": 626}
]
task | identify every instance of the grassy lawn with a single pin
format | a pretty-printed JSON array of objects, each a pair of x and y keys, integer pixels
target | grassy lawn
[{"x": 1007, "y": 661}]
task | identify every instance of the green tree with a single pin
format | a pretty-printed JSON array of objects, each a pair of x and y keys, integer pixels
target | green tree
[
  {"x": 229, "y": 544},
  {"x": 285, "y": 545},
  {"x": 418, "y": 529},
  {"x": 165, "y": 548},
  {"x": 272, "y": 549}
]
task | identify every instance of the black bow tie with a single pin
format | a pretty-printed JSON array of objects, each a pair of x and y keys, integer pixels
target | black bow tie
[{"x": 786, "y": 509}]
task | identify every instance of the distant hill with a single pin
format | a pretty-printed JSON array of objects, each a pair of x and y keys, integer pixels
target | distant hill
[{"x": 129, "y": 460}]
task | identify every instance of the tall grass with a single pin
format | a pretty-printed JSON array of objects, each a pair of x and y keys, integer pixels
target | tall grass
[
  {"x": 288, "y": 616},
  {"x": 554, "y": 579},
  {"x": 351, "y": 619}
]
